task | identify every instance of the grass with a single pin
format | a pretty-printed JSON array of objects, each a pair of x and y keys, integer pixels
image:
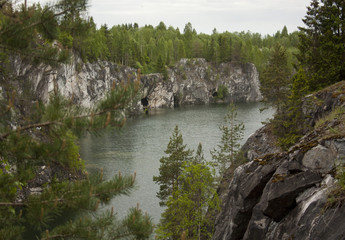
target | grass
[{"x": 337, "y": 113}]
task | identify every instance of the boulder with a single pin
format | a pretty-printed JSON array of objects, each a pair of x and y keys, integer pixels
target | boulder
[{"x": 320, "y": 159}]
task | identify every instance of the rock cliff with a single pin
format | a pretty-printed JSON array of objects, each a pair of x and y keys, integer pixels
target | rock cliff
[
  {"x": 189, "y": 81},
  {"x": 86, "y": 82},
  {"x": 288, "y": 195},
  {"x": 194, "y": 81}
]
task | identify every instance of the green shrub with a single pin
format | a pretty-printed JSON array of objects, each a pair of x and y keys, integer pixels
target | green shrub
[{"x": 222, "y": 92}]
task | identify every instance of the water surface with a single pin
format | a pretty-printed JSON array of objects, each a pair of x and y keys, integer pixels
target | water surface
[{"x": 139, "y": 145}]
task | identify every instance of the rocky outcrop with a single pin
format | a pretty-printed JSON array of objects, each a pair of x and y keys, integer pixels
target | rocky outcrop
[
  {"x": 282, "y": 195},
  {"x": 190, "y": 82},
  {"x": 86, "y": 83},
  {"x": 194, "y": 81}
]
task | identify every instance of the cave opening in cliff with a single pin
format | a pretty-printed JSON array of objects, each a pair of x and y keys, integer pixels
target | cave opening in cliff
[
  {"x": 176, "y": 101},
  {"x": 215, "y": 94},
  {"x": 144, "y": 102}
]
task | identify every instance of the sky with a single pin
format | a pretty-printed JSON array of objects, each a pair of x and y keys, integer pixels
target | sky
[
  {"x": 261, "y": 16},
  {"x": 256, "y": 16}
]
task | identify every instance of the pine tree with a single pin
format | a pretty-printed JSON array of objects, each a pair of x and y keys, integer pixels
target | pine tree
[
  {"x": 275, "y": 79},
  {"x": 34, "y": 137},
  {"x": 232, "y": 133},
  {"x": 50, "y": 142},
  {"x": 187, "y": 206},
  {"x": 171, "y": 166},
  {"x": 288, "y": 125},
  {"x": 199, "y": 157},
  {"x": 322, "y": 43}
]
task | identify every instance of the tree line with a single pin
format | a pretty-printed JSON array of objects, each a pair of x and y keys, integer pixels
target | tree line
[
  {"x": 149, "y": 48},
  {"x": 321, "y": 62}
]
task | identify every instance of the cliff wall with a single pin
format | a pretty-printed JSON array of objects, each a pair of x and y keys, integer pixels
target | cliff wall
[
  {"x": 292, "y": 194},
  {"x": 189, "y": 81}
]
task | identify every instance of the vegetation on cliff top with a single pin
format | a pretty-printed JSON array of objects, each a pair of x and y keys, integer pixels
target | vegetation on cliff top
[{"x": 321, "y": 63}]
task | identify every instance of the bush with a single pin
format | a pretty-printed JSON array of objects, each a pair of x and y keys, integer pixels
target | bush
[{"x": 222, "y": 92}]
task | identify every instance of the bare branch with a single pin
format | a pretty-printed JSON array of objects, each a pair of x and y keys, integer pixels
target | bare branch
[
  {"x": 4, "y": 136},
  {"x": 13, "y": 204}
]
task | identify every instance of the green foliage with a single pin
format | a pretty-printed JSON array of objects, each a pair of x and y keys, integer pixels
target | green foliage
[
  {"x": 161, "y": 68},
  {"x": 232, "y": 134},
  {"x": 31, "y": 32},
  {"x": 38, "y": 215},
  {"x": 321, "y": 63},
  {"x": 275, "y": 79},
  {"x": 138, "y": 224},
  {"x": 69, "y": 152},
  {"x": 199, "y": 157},
  {"x": 171, "y": 166},
  {"x": 50, "y": 136},
  {"x": 51, "y": 141},
  {"x": 222, "y": 92},
  {"x": 66, "y": 39},
  {"x": 336, "y": 197},
  {"x": 153, "y": 47},
  {"x": 322, "y": 43},
  {"x": 336, "y": 113},
  {"x": 288, "y": 124},
  {"x": 127, "y": 44},
  {"x": 188, "y": 205},
  {"x": 34, "y": 136}
]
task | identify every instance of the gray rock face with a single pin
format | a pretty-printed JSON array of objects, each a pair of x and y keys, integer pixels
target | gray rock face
[
  {"x": 275, "y": 197},
  {"x": 190, "y": 82},
  {"x": 282, "y": 195},
  {"x": 87, "y": 83},
  {"x": 319, "y": 158},
  {"x": 195, "y": 81}
]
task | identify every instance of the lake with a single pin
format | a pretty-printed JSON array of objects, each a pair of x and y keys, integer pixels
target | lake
[{"x": 139, "y": 145}]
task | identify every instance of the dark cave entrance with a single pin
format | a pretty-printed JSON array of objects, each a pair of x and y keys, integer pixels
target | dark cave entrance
[
  {"x": 176, "y": 101},
  {"x": 145, "y": 102},
  {"x": 215, "y": 94}
]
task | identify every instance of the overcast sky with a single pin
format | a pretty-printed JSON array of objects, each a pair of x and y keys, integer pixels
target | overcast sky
[{"x": 262, "y": 16}]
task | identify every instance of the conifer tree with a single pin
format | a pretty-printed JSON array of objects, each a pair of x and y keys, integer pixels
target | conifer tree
[
  {"x": 288, "y": 124},
  {"x": 34, "y": 137},
  {"x": 187, "y": 206},
  {"x": 232, "y": 133},
  {"x": 171, "y": 166},
  {"x": 275, "y": 79},
  {"x": 322, "y": 43},
  {"x": 199, "y": 157}
]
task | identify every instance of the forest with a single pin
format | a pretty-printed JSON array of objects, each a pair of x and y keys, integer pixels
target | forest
[
  {"x": 153, "y": 48},
  {"x": 34, "y": 136}
]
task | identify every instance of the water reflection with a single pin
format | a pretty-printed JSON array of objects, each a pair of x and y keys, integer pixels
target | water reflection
[{"x": 139, "y": 145}]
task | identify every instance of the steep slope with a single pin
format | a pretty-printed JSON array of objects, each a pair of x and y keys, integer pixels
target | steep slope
[{"x": 283, "y": 195}]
